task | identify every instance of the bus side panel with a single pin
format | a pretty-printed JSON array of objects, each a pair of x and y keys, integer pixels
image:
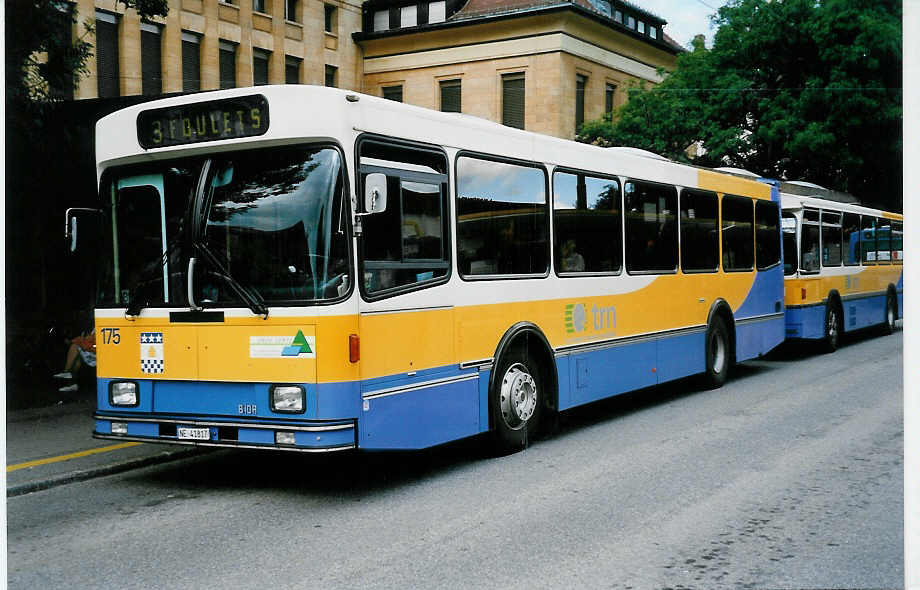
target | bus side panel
[
  {"x": 754, "y": 339},
  {"x": 681, "y": 356},
  {"x": 863, "y": 312},
  {"x": 805, "y": 322},
  {"x": 603, "y": 373},
  {"x": 765, "y": 299},
  {"x": 421, "y": 418}
]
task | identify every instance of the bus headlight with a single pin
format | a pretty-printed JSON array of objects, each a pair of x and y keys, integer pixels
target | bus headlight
[
  {"x": 123, "y": 393},
  {"x": 287, "y": 399}
]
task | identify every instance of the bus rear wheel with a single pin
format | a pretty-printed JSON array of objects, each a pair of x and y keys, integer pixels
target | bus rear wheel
[
  {"x": 833, "y": 321},
  {"x": 516, "y": 402},
  {"x": 891, "y": 314},
  {"x": 718, "y": 353}
]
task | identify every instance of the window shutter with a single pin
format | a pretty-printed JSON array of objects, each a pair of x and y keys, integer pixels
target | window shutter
[
  {"x": 580, "y": 82},
  {"x": 513, "y": 100},
  {"x": 107, "y": 57},
  {"x": 450, "y": 96},
  {"x": 393, "y": 93},
  {"x": 151, "y": 65},
  {"x": 227, "y": 65},
  {"x": 191, "y": 64}
]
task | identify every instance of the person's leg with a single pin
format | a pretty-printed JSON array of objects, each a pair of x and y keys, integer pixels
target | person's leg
[{"x": 71, "y": 363}]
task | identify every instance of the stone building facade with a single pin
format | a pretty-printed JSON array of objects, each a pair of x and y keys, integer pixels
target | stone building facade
[{"x": 541, "y": 65}]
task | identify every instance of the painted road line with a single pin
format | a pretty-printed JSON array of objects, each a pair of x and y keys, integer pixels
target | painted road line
[{"x": 71, "y": 456}]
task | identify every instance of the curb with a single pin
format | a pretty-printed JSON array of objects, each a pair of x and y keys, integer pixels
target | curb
[{"x": 75, "y": 476}]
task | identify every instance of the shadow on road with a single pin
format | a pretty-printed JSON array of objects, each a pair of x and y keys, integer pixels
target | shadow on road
[{"x": 356, "y": 475}]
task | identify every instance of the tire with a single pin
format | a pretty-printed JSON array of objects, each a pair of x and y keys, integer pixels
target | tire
[
  {"x": 516, "y": 401},
  {"x": 891, "y": 314},
  {"x": 718, "y": 353},
  {"x": 833, "y": 326}
]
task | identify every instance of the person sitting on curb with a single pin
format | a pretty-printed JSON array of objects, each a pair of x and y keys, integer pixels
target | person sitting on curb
[{"x": 82, "y": 350}]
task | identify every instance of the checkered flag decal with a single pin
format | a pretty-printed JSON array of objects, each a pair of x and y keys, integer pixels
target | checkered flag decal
[{"x": 152, "y": 352}]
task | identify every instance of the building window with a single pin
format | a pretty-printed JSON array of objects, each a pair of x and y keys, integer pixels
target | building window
[
  {"x": 227, "y": 64},
  {"x": 393, "y": 93},
  {"x": 151, "y": 60},
  {"x": 653, "y": 32},
  {"x": 602, "y": 6},
  {"x": 641, "y": 27},
  {"x": 450, "y": 96},
  {"x": 408, "y": 16},
  {"x": 513, "y": 100},
  {"x": 437, "y": 12},
  {"x": 330, "y": 18},
  {"x": 260, "y": 67},
  {"x": 331, "y": 76},
  {"x": 609, "y": 92},
  {"x": 62, "y": 87},
  {"x": 292, "y": 70},
  {"x": 381, "y": 20},
  {"x": 631, "y": 22},
  {"x": 618, "y": 16},
  {"x": 290, "y": 11},
  {"x": 580, "y": 83},
  {"x": 191, "y": 62},
  {"x": 258, "y": 6},
  {"x": 107, "y": 75}
]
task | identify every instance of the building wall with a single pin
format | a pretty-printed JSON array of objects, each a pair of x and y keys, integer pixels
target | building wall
[
  {"x": 549, "y": 49},
  {"x": 215, "y": 21}
]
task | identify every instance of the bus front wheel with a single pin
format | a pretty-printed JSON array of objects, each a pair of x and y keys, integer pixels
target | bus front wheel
[
  {"x": 718, "y": 353},
  {"x": 516, "y": 401}
]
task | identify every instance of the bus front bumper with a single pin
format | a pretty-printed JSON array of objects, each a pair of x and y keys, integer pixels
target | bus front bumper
[{"x": 310, "y": 437}]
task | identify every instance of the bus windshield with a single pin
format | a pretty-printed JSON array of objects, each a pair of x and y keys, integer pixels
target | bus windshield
[{"x": 264, "y": 225}]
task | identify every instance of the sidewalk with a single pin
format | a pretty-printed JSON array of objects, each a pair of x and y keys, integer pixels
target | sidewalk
[{"x": 53, "y": 445}]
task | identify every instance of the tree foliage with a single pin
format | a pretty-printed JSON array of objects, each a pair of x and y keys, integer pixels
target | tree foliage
[
  {"x": 42, "y": 54},
  {"x": 794, "y": 89}
]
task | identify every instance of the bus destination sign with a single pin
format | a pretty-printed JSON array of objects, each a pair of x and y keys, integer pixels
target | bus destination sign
[{"x": 244, "y": 116}]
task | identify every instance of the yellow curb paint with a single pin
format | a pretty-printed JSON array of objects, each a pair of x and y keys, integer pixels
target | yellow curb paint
[{"x": 71, "y": 456}]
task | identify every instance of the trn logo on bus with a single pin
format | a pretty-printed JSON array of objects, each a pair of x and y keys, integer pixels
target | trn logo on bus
[{"x": 603, "y": 319}]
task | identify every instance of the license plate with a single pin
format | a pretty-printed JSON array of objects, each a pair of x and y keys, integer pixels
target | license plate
[{"x": 186, "y": 433}]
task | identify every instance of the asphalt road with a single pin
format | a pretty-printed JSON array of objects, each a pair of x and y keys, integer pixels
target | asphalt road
[{"x": 790, "y": 476}]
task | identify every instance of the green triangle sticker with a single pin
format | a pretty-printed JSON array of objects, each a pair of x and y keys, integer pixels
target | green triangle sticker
[{"x": 301, "y": 341}]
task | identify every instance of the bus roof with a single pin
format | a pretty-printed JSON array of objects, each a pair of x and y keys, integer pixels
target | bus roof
[
  {"x": 316, "y": 113},
  {"x": 792, "y": 202}
]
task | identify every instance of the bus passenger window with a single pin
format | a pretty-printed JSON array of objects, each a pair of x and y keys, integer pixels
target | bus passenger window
[
  {"x": 790, "y": 246},
  {"x": 883, "y": 238},
  {"x": 811, "y": 232},
  {"x": 502, "y": 224},
  {"x": 850, "y": 239},
  {"x": 867, "y": 240},
  {"x": 699, "y": 231},
  {"x": 766, "y": 218},
  {"x": 737, "y": 233},
  {"x": 830, "y": 239},
  {"x": 651, "y": 227},
  {"x": 586, "y": 213},
  {"x": 897, "y": 241},
  {"x": 405, "y": 245}
]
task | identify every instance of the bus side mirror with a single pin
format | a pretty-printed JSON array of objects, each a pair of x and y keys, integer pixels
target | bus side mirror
[
  {"x": 91, "y": 219},
  {"x": 375, "y": 193}
]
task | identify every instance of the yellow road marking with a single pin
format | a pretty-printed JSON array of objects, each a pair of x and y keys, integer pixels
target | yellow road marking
[{"x": 71, "y": 456}]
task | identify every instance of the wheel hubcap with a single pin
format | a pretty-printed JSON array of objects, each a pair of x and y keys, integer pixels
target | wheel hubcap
[
  {"x": 832, "y": 325},
  {"x": 518, "y": 396},
  {"x": 717, "y": 348}
]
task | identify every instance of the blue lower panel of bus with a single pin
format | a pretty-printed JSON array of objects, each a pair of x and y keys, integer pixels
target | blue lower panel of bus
[
  {"x": 758, "y": 337},
  {"x": 807, "y": 322},
  {"x": 431, "y": 409}
]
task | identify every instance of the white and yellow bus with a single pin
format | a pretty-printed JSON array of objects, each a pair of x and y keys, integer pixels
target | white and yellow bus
[
  {"x": 311, "y": 269},
  {"x": 843, "y": 266}
]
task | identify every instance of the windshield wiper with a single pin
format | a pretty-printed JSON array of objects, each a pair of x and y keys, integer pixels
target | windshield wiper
[
  {"x": 136, "y": 303},
  {"x": 249, "y": 296}
]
